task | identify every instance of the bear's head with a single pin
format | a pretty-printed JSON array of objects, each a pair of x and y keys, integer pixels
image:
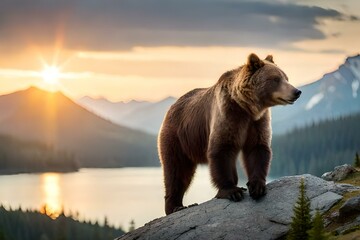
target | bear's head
[{"x": 260, "y": 84}]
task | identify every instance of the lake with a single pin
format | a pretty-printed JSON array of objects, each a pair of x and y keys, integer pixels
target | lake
[{"x": 121, "y": 194}]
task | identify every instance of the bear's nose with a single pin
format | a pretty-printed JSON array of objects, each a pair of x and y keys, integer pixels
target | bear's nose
[{"x": 297, "y": 93}]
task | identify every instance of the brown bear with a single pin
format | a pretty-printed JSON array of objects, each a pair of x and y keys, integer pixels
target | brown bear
[{"x": 213, "y": 125}]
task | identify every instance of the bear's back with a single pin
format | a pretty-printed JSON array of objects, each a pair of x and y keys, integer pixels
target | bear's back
[{"x": 189, "y": 119}]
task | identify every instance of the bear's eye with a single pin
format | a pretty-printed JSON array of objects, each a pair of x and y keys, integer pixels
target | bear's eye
[{"x": 276, "y": 79}]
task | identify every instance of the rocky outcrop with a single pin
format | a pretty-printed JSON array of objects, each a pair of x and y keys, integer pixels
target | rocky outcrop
[
  {"x": 350, "y": 208},
  {"x": 339, "y": 173},
  {"x": 268, "y": 218}
]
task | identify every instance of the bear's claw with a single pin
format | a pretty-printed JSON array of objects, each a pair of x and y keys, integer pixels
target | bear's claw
[
  {"x": 235, "y": 194},
  {"x": 257, "y": 189},
  {"x": 183, "y": 207}
]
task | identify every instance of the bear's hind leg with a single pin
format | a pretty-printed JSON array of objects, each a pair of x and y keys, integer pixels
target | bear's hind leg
[{"x": 178, "y": 175}]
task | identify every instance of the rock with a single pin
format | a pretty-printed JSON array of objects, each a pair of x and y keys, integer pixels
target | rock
[
  {"x": 325, "y": 201},
  {"x": 339, "y": 173},
  {"x": 348, "y": 226},
  {"x": 268, "y": 218},
  {"x": 350, "y": 208}
]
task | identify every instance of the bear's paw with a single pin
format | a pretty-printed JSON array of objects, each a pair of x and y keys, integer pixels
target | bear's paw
[
  {"x": 235, "y": 194},
  {"x": 257, "y": 189}
]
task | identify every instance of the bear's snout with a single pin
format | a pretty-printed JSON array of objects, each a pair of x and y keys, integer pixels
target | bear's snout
[{"x": 297, "y": 94}]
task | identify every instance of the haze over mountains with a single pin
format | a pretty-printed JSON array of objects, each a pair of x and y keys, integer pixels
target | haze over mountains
[
  {"x": 336, "y": 94},
  {"x": 142, "y": 115},
  {"x": 54, "y": 119}
]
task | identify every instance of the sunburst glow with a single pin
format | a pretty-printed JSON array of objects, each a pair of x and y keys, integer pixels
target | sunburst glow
[{"x": 51, "y": 75}]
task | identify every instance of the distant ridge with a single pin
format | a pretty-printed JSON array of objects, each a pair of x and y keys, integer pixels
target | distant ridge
[
  {"x": 54, "y": 119},
  {"x": 142, "y": 115}
]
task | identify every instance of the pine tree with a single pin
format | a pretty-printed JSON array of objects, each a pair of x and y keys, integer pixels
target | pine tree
[
  {"x": 317, "y": 232},
  {"x": 2, "y": 234},
  {"x": 357, "y": 160},
  {"x": 132, "y": 225},
  {"x": 301, "y": 221}
]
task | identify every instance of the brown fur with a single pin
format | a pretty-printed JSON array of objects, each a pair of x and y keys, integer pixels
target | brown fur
[{"x": 212, "y": 125}]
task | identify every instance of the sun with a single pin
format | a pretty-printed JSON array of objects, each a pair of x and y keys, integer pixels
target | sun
[{"x": 51, "y": 75}]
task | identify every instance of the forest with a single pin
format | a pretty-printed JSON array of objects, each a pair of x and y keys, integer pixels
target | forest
[
  {"x": 19, "y": 156},
  {"x": 317, "y": 148},
  {"x": 28, "y": 225}
]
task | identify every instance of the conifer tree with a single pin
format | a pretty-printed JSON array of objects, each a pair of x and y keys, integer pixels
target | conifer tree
[
  {"x": 2, "y": 234},
  {"x": 317, "y": 232},
  {"x": 357, "y": 160},
  {"x": 301, "y": 221},
  {"x": 132, "y": 225}
]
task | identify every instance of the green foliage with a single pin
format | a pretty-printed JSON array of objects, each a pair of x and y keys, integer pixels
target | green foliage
[
  {"x": 317, "y": 148},
  {"x": 357, "y": 160},
  {"x": 28, "y": 225},
  {"x": 18, "y": 156},
  {"x": 317, "y": 232},
  {"x": 301, "y": 221}
]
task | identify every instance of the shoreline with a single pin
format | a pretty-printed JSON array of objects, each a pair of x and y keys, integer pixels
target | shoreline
[{"x": 18, "y": 171}]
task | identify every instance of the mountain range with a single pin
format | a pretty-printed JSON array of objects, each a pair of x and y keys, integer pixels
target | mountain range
[
  {"x": 142, "y": 115},
  {"x": 335, "y": 94},
  {"x": 57, "y": 121}
]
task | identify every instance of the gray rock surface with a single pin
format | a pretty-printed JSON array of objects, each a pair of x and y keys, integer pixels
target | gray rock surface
[
  {"x": 325, "y": 201},
  {"x": 350, "y": 207},
  {"x": 268, "y": 218},
  {"x": 339, "y": 173}
]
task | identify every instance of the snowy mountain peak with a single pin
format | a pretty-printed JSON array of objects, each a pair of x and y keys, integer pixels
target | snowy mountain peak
[{"x": 355, "y": 86}]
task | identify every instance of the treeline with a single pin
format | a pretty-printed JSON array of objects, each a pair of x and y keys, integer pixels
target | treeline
[
  {"x": 18, "y": 156},
  {"x": 29, "y": 225},
  {"x": 317, "y": 148}
]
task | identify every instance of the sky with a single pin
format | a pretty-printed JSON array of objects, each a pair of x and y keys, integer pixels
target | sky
[{"x": 151, "y": 49}]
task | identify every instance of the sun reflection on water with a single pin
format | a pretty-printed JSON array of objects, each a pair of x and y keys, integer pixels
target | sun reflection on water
[{"x": 51, "y": 195}]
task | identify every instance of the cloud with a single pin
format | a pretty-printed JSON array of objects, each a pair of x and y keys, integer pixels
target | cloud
[{"x": 118, "y": 25}]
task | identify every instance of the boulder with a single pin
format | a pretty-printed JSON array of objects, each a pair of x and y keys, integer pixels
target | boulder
[
  {"x": 350, "y": 208},
  {"x": 268, "y": 218},
  {"x": 339, "y": 173}
]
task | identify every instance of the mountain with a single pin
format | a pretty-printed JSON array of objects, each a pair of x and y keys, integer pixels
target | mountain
[
  {"x": 335, "y": 94},
  {"x": 112, "y": 111},
  {"x": 317, "y": 148},
  {"x": 142, "y": 115},
  {"x": 54, "y": 119},
  {"x": 18, "y": 156}
]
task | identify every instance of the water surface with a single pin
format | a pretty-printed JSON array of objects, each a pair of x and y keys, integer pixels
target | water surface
[{"x": 119, "y": 194}]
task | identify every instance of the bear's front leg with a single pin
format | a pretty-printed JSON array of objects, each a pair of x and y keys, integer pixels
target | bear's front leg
[
  {"x": 256, "y": 162},
  {"x": 222, "y": 162}
]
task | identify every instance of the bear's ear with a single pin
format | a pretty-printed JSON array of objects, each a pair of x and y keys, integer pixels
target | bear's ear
[
  {"x": 269, "y": 58},
  {"x": 254, "y": 62}
]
